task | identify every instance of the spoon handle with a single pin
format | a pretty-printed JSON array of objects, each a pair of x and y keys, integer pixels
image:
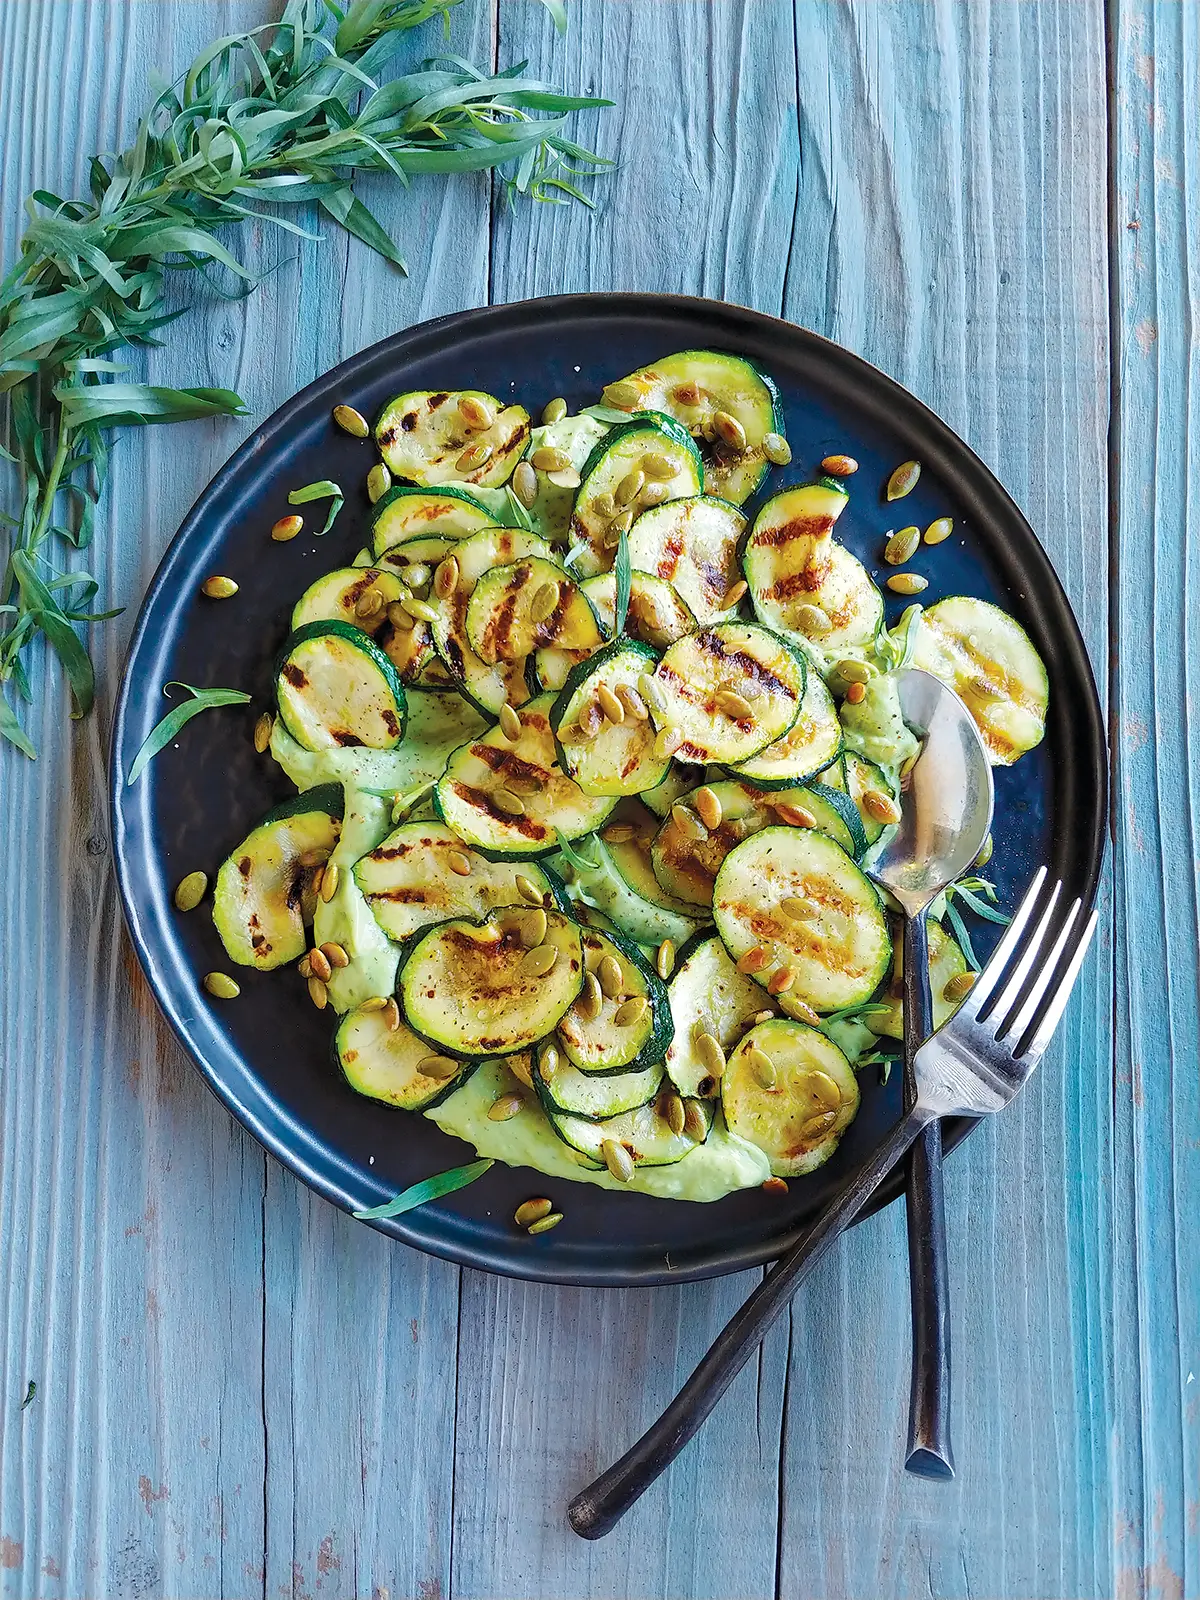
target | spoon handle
[{"x": 928, "y": 1453}]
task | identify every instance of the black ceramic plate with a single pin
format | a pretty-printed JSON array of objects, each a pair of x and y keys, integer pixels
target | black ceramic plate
[{"x": 267, "y": 1055}]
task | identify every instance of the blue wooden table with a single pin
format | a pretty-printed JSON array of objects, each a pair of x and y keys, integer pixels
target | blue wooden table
[{"x": 240, "y": 1391}]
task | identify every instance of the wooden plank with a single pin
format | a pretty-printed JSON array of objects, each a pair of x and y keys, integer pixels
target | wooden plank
[{"x": 1156, "y": 1454}]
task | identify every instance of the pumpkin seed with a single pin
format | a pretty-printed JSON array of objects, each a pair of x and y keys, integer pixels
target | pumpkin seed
[
  {"x": 708, "y": 1048},
  {"x": 617, "y": 833},
  {"x": 797, "y": 909},
  {"x": 985, "y": 854},
  {"x": 631, "y": 1012},
  {"x": 688, "y": 394},
  {"x": 660, "y": 468},
  {"x": 612, "y": 708},
  {"x": 532, "y": 1211},
  {"x": 734, "y": 705},
  {"x": 818, "y": 1125},
  {"x": 733, "y": 594},
  {"x": 652, "y": 691},
  {"x": 351, "y": 421},
  {"x": 694, "y": 1125},
  {"x": 939, "y": 529},
  {"x": 687, "y": 823},
  {"x": 329, "y": 881},
  {"x": 400, "y": 618},
  {"x": 839, "y": 466},
  {"x": 907, "y": 583},
  {"x": 511, "y": 804},
  {"x": 617, "y": 1159},
  {"x": 190, "y": 891},
  {"x": 546, "y": 458},
  {"x": 654, "y": 494},
  {"x": 568, "y": 478},
  {"x": 533, "y": 928},
  {"x": 754, "y": 960},
  {"x": 218, "y": 588},
  {"x": 782, "y": 980},
  {"x": 445, "y": 578},
  {"x": 477, "y": 414},
  {"x": 263, "y": 729},
  {"x": 525, "y": 485},
  {"x": 854, "y": 671},
  {"x": 554, "y": 411},
  {"x": 904, "y": 480},
  {"x": 777, "y": 450},
  {"x": 539, "y": 961},
  {"x": 369, "y": 604},
  {"x": 418, "y": 575},
  {"x": 856, "y": 693},
  {"x": 880, "y": 806},
  {"x": 761, "y": 1016},
  {"x": 527, "y": 889},
  {"x": 729, "y": 430},
  {"x": 664, "y": 960},
  {"x": 824, "y": 1090},
  {"x": 624, "y": 396},
  {"x": 591, "y": 998},
  {"x": 794, "y": 816},
  {"x": 319, "y": 965},
  {"x": 391, "y": 1015},
  {"x": 221, "y": 986},
  {"x": 548, "y": 1061},
  {"x": 674, "y": 1113},
  {"x": 762, "y": 1067},
  {"x": 775, "y": 1185},
  {"x": 377, "y": 1002},
  {"x": 304, "y": 967},
  {"x": 629, "y": 487},
  {"x": 620, "y": 524},
  {"x": 635, "y": 706},
  {"x": 799, "y": 1010},
  {"x": 438, "y": 1067},
  {"x": 612, "y": 977},
  {"x": 379, "y": 481},
  {"x": 901, "y": 546},
  {"x": 474, "y": 456},
  {"x": 335, "y": 954},
  {"x": 510, "y": 727},
  {"x": 286, "y": 528},
  {"x": 545, "y": 601},
  {"x": 459, "y": 861},
  {"x": 708, "y": 804},
  {"x": 422, "y": 609},
  {"x": 959, "y": 987},
  {"x": 667, "y": 742},
  {"x": 604, "y": 506},
  {"x": 505, "y": 1107},
  {"x": 318, "y": 993},
  {"x": 545, "y": 1223},
  {"x": 813, "y": 619}
]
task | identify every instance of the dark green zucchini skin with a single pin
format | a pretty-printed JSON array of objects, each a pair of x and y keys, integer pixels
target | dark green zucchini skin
[
  {"x": 663, "y": 1030},
  {"x": 327, "y": 797}
]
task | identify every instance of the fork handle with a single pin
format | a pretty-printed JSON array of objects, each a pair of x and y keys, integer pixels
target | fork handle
[
  {"x": 928, "y": 1454},
  {"x": 598, "y": 1508}
]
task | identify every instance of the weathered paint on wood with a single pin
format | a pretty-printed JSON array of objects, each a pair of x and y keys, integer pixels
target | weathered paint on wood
[{"x": 240, "y": 1391}]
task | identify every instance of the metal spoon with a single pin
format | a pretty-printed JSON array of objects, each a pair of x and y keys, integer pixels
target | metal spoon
[{"x": 945, "y": 818}]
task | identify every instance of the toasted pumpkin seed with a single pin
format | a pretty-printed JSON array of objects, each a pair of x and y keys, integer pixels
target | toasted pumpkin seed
[
  {"x": 708, "y": 804},
  {"x": 549, "y": 459},
  {"x": 286, "y": 528},
  {"x": 629, "y": 487},
  {"x": 540, "y": 961},
  {"x": 604, "y": 506},
  {"x": 329, "y": 881},
  {"x": 652, "y": 691},
  {"x": 351, "y": 421},
  {"x": 263, "y": 729},
  {"x": 511, "y": 804},
  {"x": 377, "y": 1002},
  {"x": 524, "y": 482},
  {"x": 190, "y": 891},
  {"x": 617, "y": 833},
  {"x": 591, "y": 998},
  {"x": 544, "y": 1224},
  {"x": 526, "y": 888},
  {"x": 474, "y": 456},
  {"x": 620, "y": 524},
  {"x": 505, "y": 1107},
  {"x": 694, "y": 1125},
  {"x": 799, "y": 1010},
  {"x": 959, "y": 987},
  {"x": 630, "y": 1012},
  {"x": 612, "y": 977},
  {"x": 622, "y": 395},
  {"x": 477, "y": 414},
  {"x": 688, "y": 394},
  {"x": 818, "y": 1125},
  {"x": 907, "y": 583},
  {"x": 687, "y": 823},
  {"x": 554, "y": 411},
  {"x": 854, "y": 671},
  {"x": 459, "y": 861},
  {"x": 391, "y": 1015},
  {"x": 532, "y": 1211},
  {"x": 654, "y": 494},
  {"x": 335, "y": 954},
  {"x": 664, "y": 959},
  {"x": 667, "y": 742},
  {"x": 782, "y": 980},
  {"x": 304, "y": 967},
  {"x": 880, "y": 806},
  {"x": 813, "y": 619},
  {"x": 762, "y": 1067},
  {"x": 674, "y": 1113},
  {"x": 612, "y": 708},
  {"x": 369, "y": 604},
  {"x": 221, "y": 986},
  {"x": 438, "y": 1067},
  {"x": 985, "y": 854},
  {"x": 617, "y": 1159},
  {"x": 544, "y": 602},
  {"x": 421, "y": 609},
  {"x": 445, "y": 577},
  {"x": 777, "y": 450},
  {"x": 400, "y": 617},
  {"x": 797, "y": 909},
  {"x": 939, "y": 529},
  {"x": 824, "y": 1090},
  {"x": 733, "y": 594},
  {"x": 548, "y": 1061},
  {"x": 903, "y": 480},
  {"x": 319, "y": 965},
  {"x": 635, "y": 706},
  {"x": 733, "y": 705},
  {"x": 856, "y": 693},
  {"x": 708, "y": 1048},
  {"x": 218, "y": 587},
  {"x": 379, "y": 481},
  {"x": 729, "y": 430},
  {"x": 794, "y": 816},
  {"x": 657, "y": 467},
  {"x": 567, "y": 478},
  {"x": 533, "y": 928},
  {"x": 901, "y": 546},
  {"x": 839, "y": 466},
  {"x": 754, "y": 960},
  {"x": 317, "y": 992},
  {"x": 761, "y": 1016},
  {"x": 775, "y": 1185}
]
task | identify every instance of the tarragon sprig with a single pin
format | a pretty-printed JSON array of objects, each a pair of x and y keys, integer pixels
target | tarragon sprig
[{"x": 282, "y": 115}]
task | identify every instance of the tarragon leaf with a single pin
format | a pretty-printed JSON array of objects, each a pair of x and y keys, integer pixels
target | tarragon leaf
[
  {"x": 428, "y": 1189},
  {"x": 624, "y": 571},
  {"x": 163, "y": 732}
]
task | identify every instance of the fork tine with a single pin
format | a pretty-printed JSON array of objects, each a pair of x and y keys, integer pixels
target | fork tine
[
  {"x": 1008, "y": 996},
  {"x": 1024, "y": 1018},
  {"x": 1054, "y": 1011},
  {"x": 991, "y": 974}
]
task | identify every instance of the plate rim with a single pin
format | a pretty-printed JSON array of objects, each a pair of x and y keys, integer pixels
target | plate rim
[{"x": 911, "y": 414}]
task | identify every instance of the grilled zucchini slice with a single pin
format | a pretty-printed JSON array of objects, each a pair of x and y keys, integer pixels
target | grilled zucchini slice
[
  {"x": 686, "y": 859},
  {"x": 552, "y": 666},
  {"x": 336, "y": 689},
  {"x": 602, "y": 1044},
  {"x": 405, "y": 513},
  {"x": 834, "y": 812},
  {"x": 798, "y": 1121},
  {"x": 946, "y": 961},
  {"x": 791, "y": 560},
  {"x": 811, "y": 744},
  {"x": 486, "y": 685},
  {"x": 693, "y": 545},
  {"x": 692, "y": 386},
  {"x": 839, "y": 954},
  {"x": 385, "y": 1064},
  {"x": 645, "y": 1133},
  {"x": 468, "y": 986},
  {"x": 990, "y": 663},
  {"x": 506, "y": 616},
  {"x": 563, "y": 1088},
  {"x": 678, "y": 781},
  {"x": 422, "y": 435},
  {"x": 656, "y": 615},
  {"x": 408, "y": 880},
  {"x": 337, "y": 597},
  {"x": 265, "y": 893},
  {"x": 551, "y": 804},
  {"x": 606, "y": 757},
  {"x": 708, "y": 995},
  {"x": 624, "y": 887},
  {"x": 605, "y": 473},
  {"x": 698, "y": 673}
]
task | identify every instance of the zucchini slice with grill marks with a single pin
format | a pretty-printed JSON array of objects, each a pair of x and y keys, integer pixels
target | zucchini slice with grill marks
[
  {"x": 988, "y": 660},
  {"x": 792, "y": 560},
  {"x": 833, "y": 937},
  {"x": 606, "y": 757},
  {"x": 730, "y": 689},
  {"x": 265, "y": 894},
  {"x": 645, "y": 1133},
  {"x": 336, "y": 688},
  {"x": 616, "y": 1040},
  {"x": 692, "y": 386},
  {"x": 487, "y": 686},
  {"x": 708, "y": 995},
  {"x": 385, "y": 1064},
  {"x": 618, "y": 466},
  {"x": 657, "y": 616},
  {"x": 693, "y": 545},
  {"x": 408, "y": 880},
  {"x": 538, "y": 804},
  {"x": 336, "y": 598},
  {"x": 946, "y": 961},
  {"x": 473, "y": 988},
  {"x": 686, "y": 858},
  {"x": 405, "y": 513},
  {"x": 422, "y": 436},
  {"x": 517, "y": 609},
  {"x": 810, "y": 745},
  {"x": 813, "y": 1097},
  {"x": 562, "y": 1088}
]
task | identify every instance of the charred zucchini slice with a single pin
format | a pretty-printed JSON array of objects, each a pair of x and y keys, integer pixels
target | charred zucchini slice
[
  {"x": 693, "y": 545},
  {"x": 603, "y": 756},
  {"x": 538, "y": 803},
  {"x": 946, "y": 961},
  {"x": 486, "y": 685},
  {"x": 812, "y": 1098},
  {"x": 657, "y": 616},
  {"x": 708, "y": 995},
  {"x": 336, "y": 689},
  {"x": 792, "y": 561},
  {"x": 692, "y": 386},
  {"x": 832, "y": 939},
  {"x": 617, "y": 463},
  {"x": 810, "y": 745},
  {"x": 623, "y": 1036},
  {"x": 265, "y": 893},
  {"x": 517, "y": 609},
  {"x": 476, "y": 989},
  {"x": 385, "y": 1064},
  {"x": 564, "y": 1089},
  {"x": 423, "y": 435},
  {"x": 415, "y": 878},
  {"x": 988, "y": 660},
  {"x": 687, "y": 856},
  {"x": 645, "y": 1133},
  {"x": 344, "y": 596},
  {"x": 405, "y": 513},
  {"x": 730, "y": 689}
]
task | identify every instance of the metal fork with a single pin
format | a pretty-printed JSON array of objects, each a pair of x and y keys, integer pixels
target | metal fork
[{"x": 973, "y": 1066}]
